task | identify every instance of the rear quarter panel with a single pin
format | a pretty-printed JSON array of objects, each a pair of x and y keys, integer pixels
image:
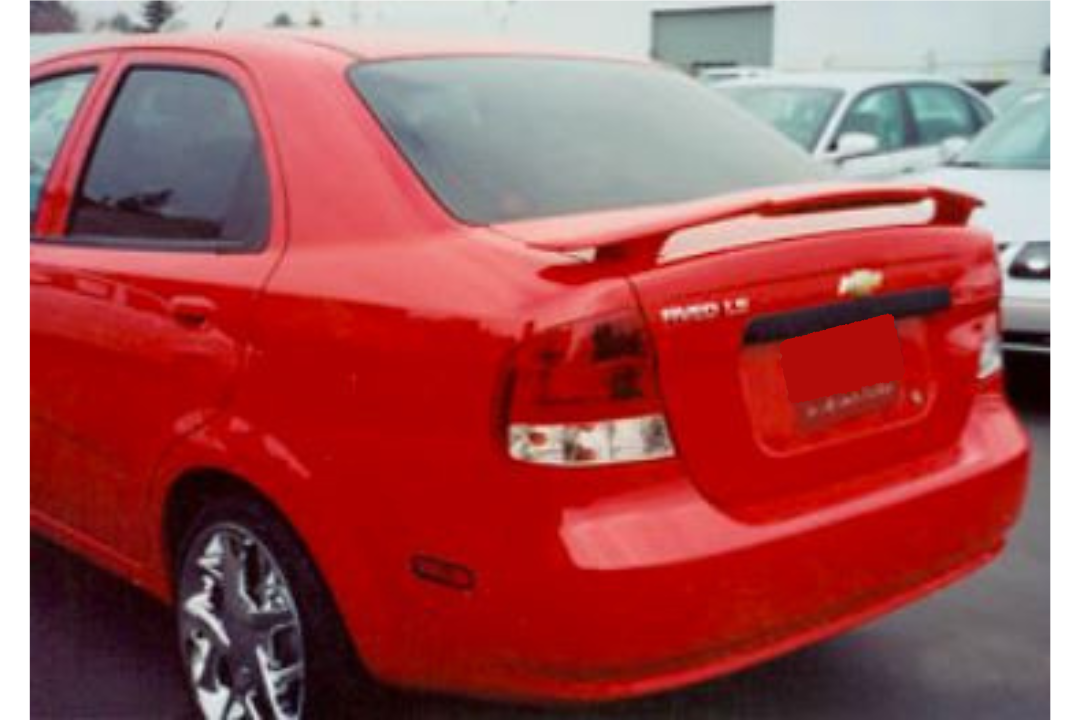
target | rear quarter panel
[{"x": 369, "y": 408}]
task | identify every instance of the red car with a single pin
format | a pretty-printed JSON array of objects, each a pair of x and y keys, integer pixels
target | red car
[{"x": 488, "y": 370}]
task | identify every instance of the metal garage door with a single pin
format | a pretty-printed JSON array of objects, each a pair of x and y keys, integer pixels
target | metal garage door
[{"x": 695, "y": 39}]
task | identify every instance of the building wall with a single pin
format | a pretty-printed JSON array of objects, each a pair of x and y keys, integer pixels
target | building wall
[{"x": 973, "y": 40}]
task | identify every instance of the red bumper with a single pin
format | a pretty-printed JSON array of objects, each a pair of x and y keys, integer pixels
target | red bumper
[{"x": 656, "y": 588}]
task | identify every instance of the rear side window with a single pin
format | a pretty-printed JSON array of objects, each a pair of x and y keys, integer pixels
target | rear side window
[
  {"x": 940, "y": 113},
  {"x": 53, "y": 104},
  {"x": 177, "y": 159},
  {"x": 801, "y": 113},
  {"x": 879, "y": 113},
  {"x": 499, "y": 139}
]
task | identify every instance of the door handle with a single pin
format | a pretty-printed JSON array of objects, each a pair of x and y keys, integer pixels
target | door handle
[{"x": 192, "y": 311}]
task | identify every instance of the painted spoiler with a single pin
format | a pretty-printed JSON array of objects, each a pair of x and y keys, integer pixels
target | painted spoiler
[{"x": 640, "y": 233}]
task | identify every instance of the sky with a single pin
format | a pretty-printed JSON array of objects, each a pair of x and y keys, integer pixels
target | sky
[{"x": 244, "y": 14}]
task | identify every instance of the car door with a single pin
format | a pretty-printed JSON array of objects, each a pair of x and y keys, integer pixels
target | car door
[
  {"x": 146, "y": 276},
  {"x": 58, "y": 94},
  {"x": 940, "y": 112},
  {"x": 882, "y": 113}
]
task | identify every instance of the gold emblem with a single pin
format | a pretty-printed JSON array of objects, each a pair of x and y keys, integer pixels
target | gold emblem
[{"x": 860, "y": 283}]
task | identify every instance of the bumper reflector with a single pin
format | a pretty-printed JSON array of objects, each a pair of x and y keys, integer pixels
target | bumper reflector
[{"x": 443, "y": 572}]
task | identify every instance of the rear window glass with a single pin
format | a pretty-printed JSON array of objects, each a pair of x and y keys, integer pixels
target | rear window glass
[
  {"x": 503, "y": 139},
  {"x": 178, "y": 159}
]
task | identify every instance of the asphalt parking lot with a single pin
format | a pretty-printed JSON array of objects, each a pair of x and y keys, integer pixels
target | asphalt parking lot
[{"x": 980, "y": 649}]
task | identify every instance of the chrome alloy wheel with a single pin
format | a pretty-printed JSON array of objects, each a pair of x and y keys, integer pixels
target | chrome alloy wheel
[{"x": 240, "y": 632}]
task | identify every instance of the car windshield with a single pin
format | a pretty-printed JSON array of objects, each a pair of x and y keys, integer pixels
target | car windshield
[
  {"x": 1006, "y": 96},
  {"x": 499, "y": 139},
  {"x": 1019, "y": 139},
  {"x": 801, "y": 113}
]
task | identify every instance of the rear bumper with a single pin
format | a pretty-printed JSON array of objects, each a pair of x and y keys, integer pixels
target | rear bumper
[{"x": 656, "y": 588}]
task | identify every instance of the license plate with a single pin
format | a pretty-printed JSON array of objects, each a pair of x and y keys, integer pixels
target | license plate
[
  {"x": 846, "y": 369},
  {"x": 815, "y": 414}
]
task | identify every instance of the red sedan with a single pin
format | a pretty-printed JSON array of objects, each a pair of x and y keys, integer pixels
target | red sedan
[{"x": 497, "y": 371}]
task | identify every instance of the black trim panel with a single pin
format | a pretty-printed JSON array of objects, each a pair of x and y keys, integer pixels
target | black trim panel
[
  {"x": 220, "y": 247},
  {"x": 784, "y": 326}
]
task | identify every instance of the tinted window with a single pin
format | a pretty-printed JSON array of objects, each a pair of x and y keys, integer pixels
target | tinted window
[
  {"x": 53, "y": 104},
  {"x": 1019, "y": 139},
  {"x": 799, "y": 112},
  {"x": 940, "y": 113},
  {"x": 500, "y": 139},
  {"x": 1007, "y": 95},
  {"x": 879, "y": 113},
  {"x": 178, "y": 158}
]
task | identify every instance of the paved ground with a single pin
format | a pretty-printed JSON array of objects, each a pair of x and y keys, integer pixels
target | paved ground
[{"x": 979, "y": 650}]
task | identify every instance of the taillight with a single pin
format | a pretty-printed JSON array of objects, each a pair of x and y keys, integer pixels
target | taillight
[
  {"x": 990, "y": 352},
  {"x": 585, "y": 393}
]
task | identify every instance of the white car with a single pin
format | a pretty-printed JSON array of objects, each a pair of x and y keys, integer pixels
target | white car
[
  {"x": 727, "y": 73},
  {"x": 1008, "y": 166},
  {"x": 1008, "y": 95},
  {"x": 866, "y": 124}
]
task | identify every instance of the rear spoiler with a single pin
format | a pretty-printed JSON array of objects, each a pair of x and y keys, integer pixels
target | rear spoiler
[{"x": 640, "y": 234}]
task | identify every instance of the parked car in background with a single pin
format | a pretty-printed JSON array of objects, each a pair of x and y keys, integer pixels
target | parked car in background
[
  {"x": 372, "y": 358},
  {"x": 1008, "y": 166},
  {"x": 726, "y": 73},
  {"x": 1004, "y": 97},
  {"x": 866, "y": 125}
]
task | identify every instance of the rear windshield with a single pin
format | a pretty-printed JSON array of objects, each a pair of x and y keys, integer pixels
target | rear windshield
[{"x": 503, "y": 139}]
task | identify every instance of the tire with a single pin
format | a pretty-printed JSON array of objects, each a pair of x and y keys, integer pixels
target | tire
[{"x": 252, "y": 612}]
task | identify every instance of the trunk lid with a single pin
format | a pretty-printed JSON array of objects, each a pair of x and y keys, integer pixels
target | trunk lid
[{"x": 719, "y": 316}]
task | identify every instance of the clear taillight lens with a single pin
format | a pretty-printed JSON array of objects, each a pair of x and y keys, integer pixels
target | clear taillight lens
[
  {"x": 990, "y": 353},
  {"x": 585, "y": 393},
  {"x": 597, "y": 443}
]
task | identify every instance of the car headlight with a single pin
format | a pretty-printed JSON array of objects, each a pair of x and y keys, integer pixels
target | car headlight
[{"x": 1032, "y": 262}]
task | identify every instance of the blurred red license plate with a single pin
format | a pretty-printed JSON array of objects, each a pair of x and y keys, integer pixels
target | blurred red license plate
[{"x": 844, "y": 361}]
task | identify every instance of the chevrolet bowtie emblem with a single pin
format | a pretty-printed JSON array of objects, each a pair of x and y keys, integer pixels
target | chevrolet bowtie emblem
[{"x": 860, "y": 283}]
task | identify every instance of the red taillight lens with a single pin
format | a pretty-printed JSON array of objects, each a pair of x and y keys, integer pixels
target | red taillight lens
[
  {"x": 588, "y": 370},
  {"x": 585, "y": 393}
]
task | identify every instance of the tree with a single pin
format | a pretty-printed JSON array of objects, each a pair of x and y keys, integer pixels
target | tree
[
  {"x": 52, "y": 17},
  {"x": 282, "y": 20},
  {"x": 156, "y": 13},
  {"x": 314, "y": 20},
  {"x": 118, "y": 23}
]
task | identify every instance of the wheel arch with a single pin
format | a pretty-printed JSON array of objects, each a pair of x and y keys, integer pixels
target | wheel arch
[
  {"x": 193, "y": 490},
  {"x": 229, "y": 458}
]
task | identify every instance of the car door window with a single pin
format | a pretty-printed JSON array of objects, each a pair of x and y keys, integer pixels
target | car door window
[
  {"x": 879, "y": 113},
  {"x": 53, "y": 104},
  {"x": 940, "y": 113},
  {"x": 178, "y": 163}
]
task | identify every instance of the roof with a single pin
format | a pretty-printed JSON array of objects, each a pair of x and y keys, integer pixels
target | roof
[
  {"x": 849, "y": 82},
  {"x": 355, "y": 45}
]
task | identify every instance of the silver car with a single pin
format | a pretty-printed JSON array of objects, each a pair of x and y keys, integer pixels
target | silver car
[
  {"x": 1008, "y": 166},
  {"x": 864, "y": 124}
]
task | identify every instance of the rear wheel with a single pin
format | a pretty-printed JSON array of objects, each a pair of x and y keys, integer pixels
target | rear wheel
[{"x": 259, "y": 637}]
